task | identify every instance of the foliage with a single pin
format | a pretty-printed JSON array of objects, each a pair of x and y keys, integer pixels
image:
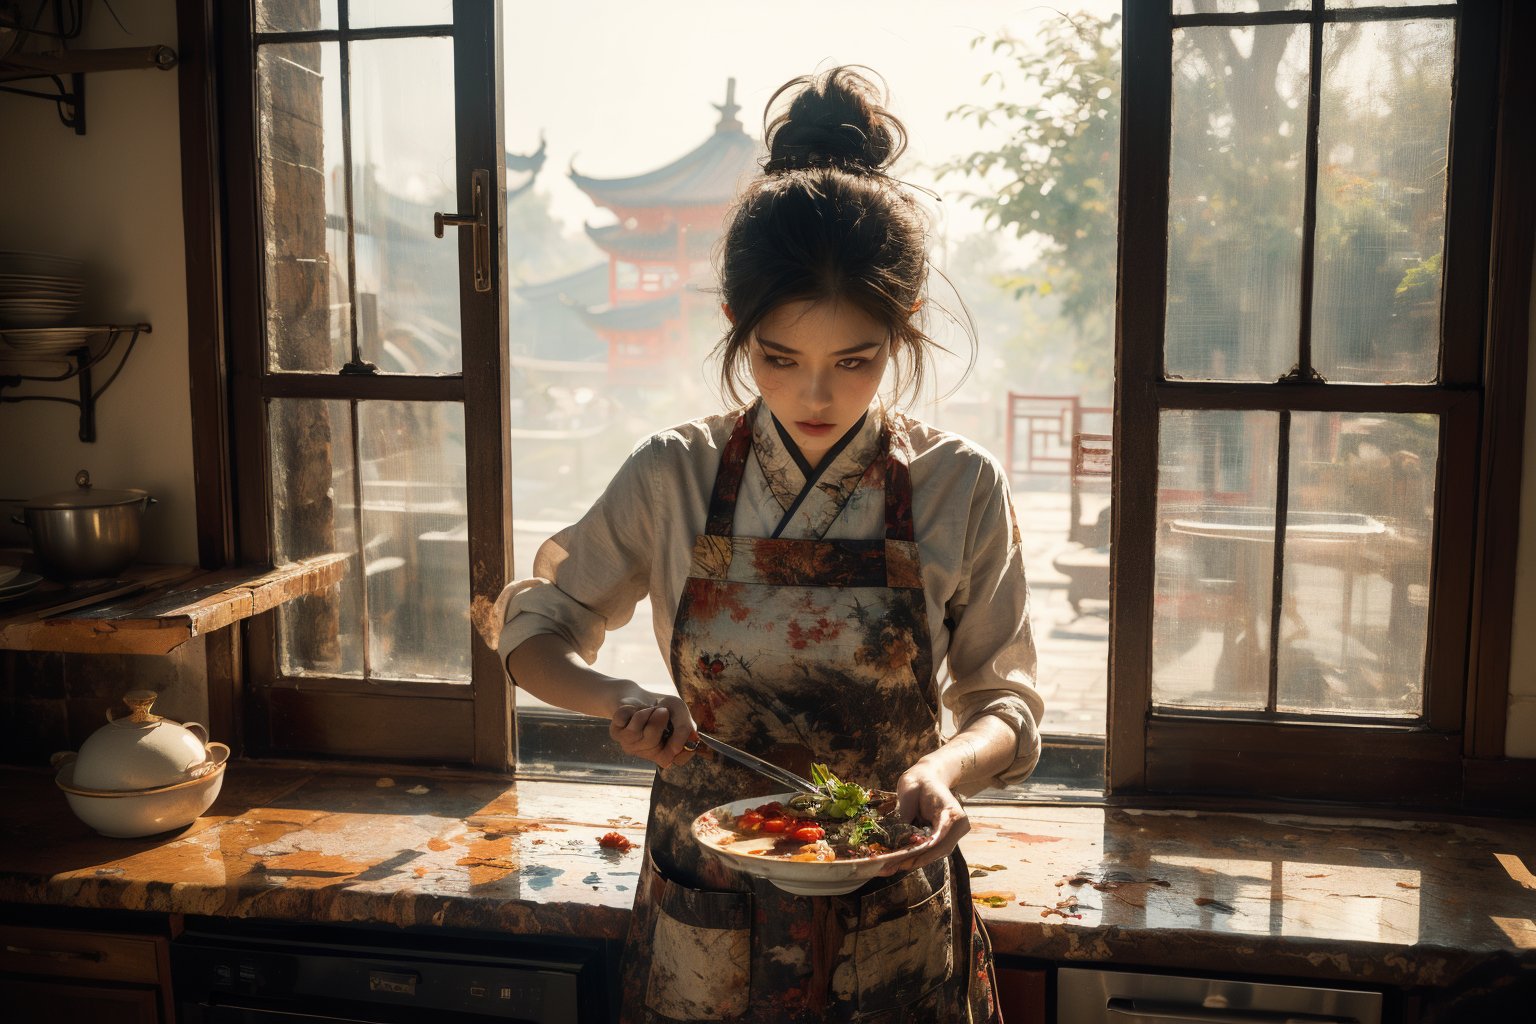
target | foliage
[{"x": 1056, "y": 173}]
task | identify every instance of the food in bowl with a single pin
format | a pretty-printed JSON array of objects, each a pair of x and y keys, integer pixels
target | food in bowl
[
  {"x": 844, "y": 821},
  {"x": 810, "y": 866}
]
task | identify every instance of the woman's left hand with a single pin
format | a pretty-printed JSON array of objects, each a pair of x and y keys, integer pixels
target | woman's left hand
[{"x": 922, "y": 795}]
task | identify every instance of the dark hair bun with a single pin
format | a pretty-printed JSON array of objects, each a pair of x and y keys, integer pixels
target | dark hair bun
[{"x": 834, "y": 119}]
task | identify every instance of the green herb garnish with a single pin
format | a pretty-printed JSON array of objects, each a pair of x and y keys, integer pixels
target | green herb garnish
[{"x": 843, "y": 799}]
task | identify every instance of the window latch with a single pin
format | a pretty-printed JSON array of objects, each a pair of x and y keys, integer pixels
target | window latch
[{"x": 478, "y": 220}]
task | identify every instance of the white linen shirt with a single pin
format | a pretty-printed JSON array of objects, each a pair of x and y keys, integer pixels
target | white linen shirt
[{"x": 637, "y": 540}]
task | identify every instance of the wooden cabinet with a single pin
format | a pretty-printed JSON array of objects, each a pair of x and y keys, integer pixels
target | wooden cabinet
[
  {"x": 1021, "y": 994},
  {"x": 62, "y": 974}
]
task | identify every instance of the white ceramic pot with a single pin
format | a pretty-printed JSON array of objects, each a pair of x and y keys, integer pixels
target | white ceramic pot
[
  {"x": 129, "y": 814},
  {"x": 142, "y": 774},
  {"x": 141, "y": 750}
]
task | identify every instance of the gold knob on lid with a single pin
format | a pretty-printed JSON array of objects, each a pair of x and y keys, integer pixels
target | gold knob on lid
[{"x": 139, "y": 702}]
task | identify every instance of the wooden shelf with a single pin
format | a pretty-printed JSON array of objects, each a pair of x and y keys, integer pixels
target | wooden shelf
[{"x": 154, "y": 609}]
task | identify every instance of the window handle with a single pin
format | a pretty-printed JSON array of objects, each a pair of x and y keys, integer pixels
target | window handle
[{"x": 478, "y": 220}]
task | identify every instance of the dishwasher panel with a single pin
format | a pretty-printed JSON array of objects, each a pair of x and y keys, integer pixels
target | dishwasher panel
[{"x": 1085, "y": 996}]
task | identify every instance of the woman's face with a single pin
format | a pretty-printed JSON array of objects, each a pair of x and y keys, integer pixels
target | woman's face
[{"x": 818, "y": 366}]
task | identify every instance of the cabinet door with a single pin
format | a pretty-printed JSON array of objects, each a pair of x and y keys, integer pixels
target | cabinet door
[
  {"x": 33, "y": 1001},
  {"x": 1021, "y": 994}
]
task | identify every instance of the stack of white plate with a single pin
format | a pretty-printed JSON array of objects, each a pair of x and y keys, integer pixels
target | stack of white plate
[{"x": 38, "y": 289}]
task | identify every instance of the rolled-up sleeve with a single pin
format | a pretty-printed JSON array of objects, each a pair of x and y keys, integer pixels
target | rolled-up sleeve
[
  {"x": 588, "y": 578},
  {"x": 992, "y": 648}
]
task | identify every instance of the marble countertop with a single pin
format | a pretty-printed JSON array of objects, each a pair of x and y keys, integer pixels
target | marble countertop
[{"x": 1385, "y": 902}]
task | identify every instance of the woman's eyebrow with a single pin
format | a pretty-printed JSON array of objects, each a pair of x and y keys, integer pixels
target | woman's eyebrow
[{"x": 786, "y": 350}]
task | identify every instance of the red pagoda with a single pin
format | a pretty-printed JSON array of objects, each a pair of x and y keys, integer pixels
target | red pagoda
[{"x": 668, "y": 222}]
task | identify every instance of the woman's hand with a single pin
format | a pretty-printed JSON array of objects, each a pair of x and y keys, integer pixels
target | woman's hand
[
  {"x": 923, "y": 795},
  {"x": 654, "y": 727}
]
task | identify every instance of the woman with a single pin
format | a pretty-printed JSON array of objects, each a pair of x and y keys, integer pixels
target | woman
[{"x": 811, "y": 559}]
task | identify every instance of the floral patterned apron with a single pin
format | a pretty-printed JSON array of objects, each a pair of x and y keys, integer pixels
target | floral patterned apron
[{"x": 802, "y": 651}]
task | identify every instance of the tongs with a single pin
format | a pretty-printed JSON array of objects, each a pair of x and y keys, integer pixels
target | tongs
[{"x": 783, "y": 776}]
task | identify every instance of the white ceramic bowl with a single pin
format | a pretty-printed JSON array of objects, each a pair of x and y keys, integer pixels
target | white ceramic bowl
[
  {"x": 131, "y": 813},
  {"x": 803, "y": 878}
]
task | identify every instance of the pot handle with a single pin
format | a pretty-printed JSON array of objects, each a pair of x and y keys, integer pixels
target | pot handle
[
  {"x": 63, "y": 758},
  {"x": 199, "y": 730}
]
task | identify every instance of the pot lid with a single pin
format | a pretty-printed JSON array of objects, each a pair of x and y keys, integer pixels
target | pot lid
[
  {"x": 141, "y": 750},
  {"x": 86, "y": 496}
]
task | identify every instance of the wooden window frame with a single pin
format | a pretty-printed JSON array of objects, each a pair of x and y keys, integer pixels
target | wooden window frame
[
  {"x": 232, "y": 386},
  {"x": 1448, "y": 759}
]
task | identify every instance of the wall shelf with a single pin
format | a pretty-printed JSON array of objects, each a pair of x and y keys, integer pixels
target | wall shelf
[
  {"x": 36, "y": 360},
  {"x": 53, "y": 66},
  {"x": 154, "y": 609}
]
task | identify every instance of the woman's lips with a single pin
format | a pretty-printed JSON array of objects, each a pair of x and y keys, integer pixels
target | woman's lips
[{"x": 814, "y": 429}]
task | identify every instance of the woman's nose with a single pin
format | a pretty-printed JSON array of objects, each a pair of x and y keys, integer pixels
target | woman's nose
[{"x": 818, "y": 389}]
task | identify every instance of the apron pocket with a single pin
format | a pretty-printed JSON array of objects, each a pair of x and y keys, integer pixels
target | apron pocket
[
  {"x": 905, "y": 944},
  {"x": 700, "y": 952}
]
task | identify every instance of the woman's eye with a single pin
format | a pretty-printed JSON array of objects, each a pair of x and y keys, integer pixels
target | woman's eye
[
  {"x": 852, "y": 364},
  {"x": 780, "y": 362}
]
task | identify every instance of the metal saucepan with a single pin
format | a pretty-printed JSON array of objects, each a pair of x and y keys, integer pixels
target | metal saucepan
[{"x": 85, "y": 533}]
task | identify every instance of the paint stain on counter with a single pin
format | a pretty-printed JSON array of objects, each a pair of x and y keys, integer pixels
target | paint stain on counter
[{"x": 540, "y": 877}]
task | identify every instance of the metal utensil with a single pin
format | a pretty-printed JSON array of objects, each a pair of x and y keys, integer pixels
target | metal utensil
[{"x": 780, "y": 775}]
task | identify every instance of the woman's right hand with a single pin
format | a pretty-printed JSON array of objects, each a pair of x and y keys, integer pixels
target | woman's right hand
[{"x": 639, "y": 726}]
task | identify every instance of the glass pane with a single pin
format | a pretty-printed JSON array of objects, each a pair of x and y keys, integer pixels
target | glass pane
[
  {"x": 1238, "y": 6},
  {"x": 403, "y": 172},
  {"x": 1383, "y": 143},
  {"x": 1235, "y": 201},
  {"x": 1387, "y": 3},
  {"x": 303, "y": 209},
  {"x": 295, "y": 15},
  {"x": 415, "y": 539},
  {"x": 1215, "y": 558},
  {"x": 314, "y": 508},
  {"x": 382, "y": 13},
  {"x": 1355, "y": 605}
]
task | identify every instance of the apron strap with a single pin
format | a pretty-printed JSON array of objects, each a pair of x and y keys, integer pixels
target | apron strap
[
  {"x": 897, "y": 450},
  {"x": 733, "y": 463}
]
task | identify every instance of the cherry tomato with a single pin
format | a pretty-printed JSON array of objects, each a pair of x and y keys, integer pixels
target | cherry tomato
[
  {"x": 808, "y": 833},
  {"x": 776, "y": 825},
  {"x": 750, "y": 822}
]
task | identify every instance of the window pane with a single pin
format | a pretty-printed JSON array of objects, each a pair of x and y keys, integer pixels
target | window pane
[
  {"x": 314, "y": 507},
  {"x": 1355, "y": 604},
  {"x": 402, "y": 172},
  {"x": 295, "y": 15},
  {"x": 415, "y": 539},
  {"x": 381, "y": 13},
  {"x": 413, "y": 542},
  {"x": 1235, "y": 201},
  {"x": 1387, "y": 3},
  {"x": 1237, "y": 6},
  {"x": 303, "y": 210},
  {"x": 1215, "y": 558},
  {"x": 1382, "y": 149}
]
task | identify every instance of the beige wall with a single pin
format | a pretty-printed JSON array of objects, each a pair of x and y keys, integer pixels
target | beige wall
[
  {"x": 112, "y": 197},
  {"x": 1520, "y": 736}
]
